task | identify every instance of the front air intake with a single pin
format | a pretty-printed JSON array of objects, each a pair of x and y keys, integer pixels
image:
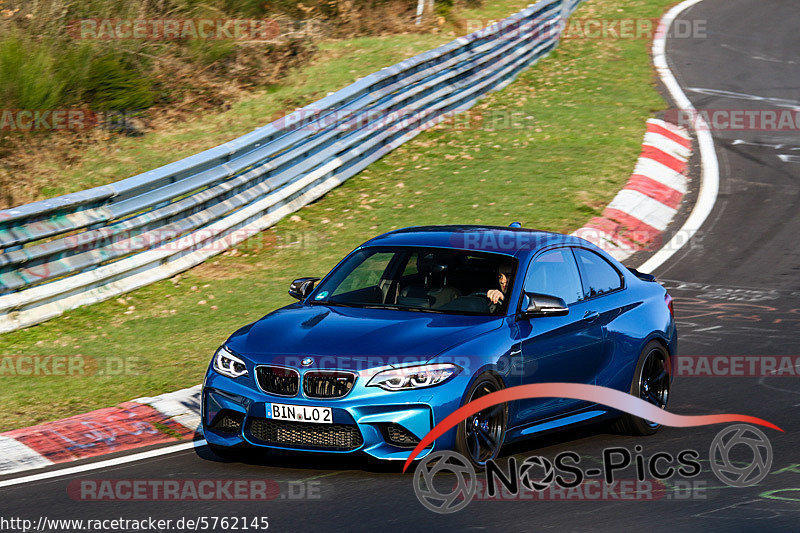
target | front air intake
[
  {"x": 227, "y": 421},
  {"x": 397, "y": 435},
  {"x": 278, "y": 380},
  {"x": 328, "y": 383},
  {"x": 340, "y": 437}
]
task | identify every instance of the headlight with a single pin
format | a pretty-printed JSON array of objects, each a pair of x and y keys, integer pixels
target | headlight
[
  {"x": 413, "y": 377},
  {"x": 228, "y": 364}
]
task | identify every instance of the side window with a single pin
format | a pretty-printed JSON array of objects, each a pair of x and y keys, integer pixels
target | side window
[
  {"x": 554, "y": 273},
  {"x": 411, "y": 266},
  {"x": 599, "y": 276}
]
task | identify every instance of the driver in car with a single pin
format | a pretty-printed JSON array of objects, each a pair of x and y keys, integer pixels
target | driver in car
[{"x": 496, "y": 296}]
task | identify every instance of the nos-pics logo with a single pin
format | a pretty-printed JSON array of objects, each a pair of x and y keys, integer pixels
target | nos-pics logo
[{"x": 446, "y": 481}]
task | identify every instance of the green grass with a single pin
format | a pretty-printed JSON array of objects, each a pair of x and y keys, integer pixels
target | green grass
[{"x": 580, "y": 119}]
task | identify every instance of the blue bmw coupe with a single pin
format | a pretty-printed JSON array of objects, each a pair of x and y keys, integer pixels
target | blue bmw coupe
[{"x": 417, "y": 322}]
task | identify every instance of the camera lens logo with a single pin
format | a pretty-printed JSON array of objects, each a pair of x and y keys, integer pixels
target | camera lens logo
[
  {"x": 525, "y": 473},
  {"x": 462, "y": 474},
  {"x": 739, "y": 474}
]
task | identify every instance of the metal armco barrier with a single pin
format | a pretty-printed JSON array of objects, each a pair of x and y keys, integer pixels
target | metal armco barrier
[{"x": 89, "y": 246}]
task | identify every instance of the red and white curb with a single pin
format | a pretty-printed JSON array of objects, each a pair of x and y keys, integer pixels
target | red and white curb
[
  {"x": 633, "y": 221},
  {"x": 637, "y": 217},
  {"x": 171, "y": 417}
]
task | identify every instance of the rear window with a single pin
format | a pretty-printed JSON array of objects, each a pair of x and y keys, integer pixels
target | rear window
[{"x": 598, "y": 275}]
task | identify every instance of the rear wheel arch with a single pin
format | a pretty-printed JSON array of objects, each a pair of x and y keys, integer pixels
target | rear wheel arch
[
  {"x": 655, "y": 349},
  {"x": 657, "y": 337}
]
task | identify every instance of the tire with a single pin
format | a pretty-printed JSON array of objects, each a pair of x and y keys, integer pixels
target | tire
[
  {"x": 652, "y": 369},
  {"x": 480, "y": 437}
]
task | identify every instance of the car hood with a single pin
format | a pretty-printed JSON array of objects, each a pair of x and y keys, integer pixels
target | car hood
[{"x": 344, "y": 337}]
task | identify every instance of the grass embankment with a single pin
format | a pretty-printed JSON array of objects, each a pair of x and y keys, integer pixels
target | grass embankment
[
  {"x": 56, "y": 54},
  {"x": 579, "y": 120}
]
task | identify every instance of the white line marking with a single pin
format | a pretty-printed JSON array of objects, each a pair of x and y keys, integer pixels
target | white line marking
[
  {"x": 785, "y": 158},
  {"x": 758, "y": 57},
  {"x": 707, "y": 329},
  {"x": 103, "y": 464},
  {"x": 777, "y": 102},
  {"x": 709, "y": 184},
  {"x": 763, "y": 145}
]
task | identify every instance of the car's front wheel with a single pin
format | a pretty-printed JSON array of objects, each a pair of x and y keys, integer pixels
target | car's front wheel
[
  {"x": 481, "y": 435},
  {"x": 651, "y": 383}
]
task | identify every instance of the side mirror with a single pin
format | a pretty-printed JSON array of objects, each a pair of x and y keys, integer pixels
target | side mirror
[
  {"x": 540, "y": 305},
  {"x": 302, "y": 287}
]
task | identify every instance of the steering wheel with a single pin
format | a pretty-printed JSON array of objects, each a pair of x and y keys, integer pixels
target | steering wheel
[
  {"x": 479, "y": 294},
  {"x": 489, "y": 305}
]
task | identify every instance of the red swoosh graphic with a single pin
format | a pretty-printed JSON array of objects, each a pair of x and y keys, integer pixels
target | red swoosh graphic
[{"x": 576, "y": 391}]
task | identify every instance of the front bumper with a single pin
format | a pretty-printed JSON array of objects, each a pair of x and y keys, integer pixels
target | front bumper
[{"x": 361, "y": 420}]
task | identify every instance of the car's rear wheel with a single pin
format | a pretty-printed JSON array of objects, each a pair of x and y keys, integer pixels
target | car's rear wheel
[
  {"x": 481, "y": 435},
  {"x": 651, "y": 383}
]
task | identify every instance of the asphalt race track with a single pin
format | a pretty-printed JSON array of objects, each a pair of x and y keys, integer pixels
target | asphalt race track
[{"x": 737, "y": 290}]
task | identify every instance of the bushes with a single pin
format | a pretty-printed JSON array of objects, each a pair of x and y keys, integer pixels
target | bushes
[
  {"x": 111, "y": 84},
  {"x": 40, "y": 75},
  {"x": 28, "y": 75}
]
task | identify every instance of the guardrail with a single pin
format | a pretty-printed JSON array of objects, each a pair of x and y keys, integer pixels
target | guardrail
[{"x": 85, "y": 247}]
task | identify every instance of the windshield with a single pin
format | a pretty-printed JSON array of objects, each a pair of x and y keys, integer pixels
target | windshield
[{"x": 433, "y": 280}]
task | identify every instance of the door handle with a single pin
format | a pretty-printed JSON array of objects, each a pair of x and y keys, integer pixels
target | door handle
[{"x": 591, "y": 316}]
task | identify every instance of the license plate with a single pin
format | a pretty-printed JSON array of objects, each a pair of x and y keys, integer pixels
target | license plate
[{"x": 299, "y": 413}]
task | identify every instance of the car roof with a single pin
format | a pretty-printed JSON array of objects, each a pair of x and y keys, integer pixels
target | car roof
[{"x": 482, "y": 238}]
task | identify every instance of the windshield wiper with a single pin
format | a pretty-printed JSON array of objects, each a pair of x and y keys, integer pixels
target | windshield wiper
[
  {"x": 338, "y": 304},
  {"x": 378, "y": 306},
  {"x": 401, "y": 308}
]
